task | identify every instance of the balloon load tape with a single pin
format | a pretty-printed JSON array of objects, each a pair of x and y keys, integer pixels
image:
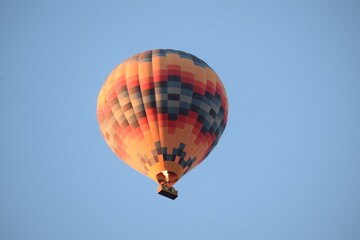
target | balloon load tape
[{"x": 167, "y": 191}]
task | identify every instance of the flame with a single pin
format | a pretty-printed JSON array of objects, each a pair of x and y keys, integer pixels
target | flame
[{"x": 166, "y": 174}]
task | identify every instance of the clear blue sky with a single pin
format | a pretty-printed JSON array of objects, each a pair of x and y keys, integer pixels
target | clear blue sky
[{"x": 290, "y": 153}]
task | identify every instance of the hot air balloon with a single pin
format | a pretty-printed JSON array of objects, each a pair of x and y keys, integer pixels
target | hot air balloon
[{"x": 162, "y": 112}]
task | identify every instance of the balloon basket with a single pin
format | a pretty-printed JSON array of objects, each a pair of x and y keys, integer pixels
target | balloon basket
[{"x": 167, "y": 191}]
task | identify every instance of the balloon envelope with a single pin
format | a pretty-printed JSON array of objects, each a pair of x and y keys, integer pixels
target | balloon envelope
[{"x": 162, "y": 112}]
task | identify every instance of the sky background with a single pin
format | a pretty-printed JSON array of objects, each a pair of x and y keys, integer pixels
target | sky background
[{"x": 290, "y": 153}]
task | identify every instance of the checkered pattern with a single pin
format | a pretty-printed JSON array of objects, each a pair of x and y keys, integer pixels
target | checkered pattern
[{"x": 162, "y": 105}]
